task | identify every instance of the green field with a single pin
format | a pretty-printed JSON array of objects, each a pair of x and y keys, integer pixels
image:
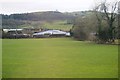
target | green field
[
  {"x": 0, "y": 58},
  {"x": 62, "y": 25},
  {"x": 58, "y": 58}
]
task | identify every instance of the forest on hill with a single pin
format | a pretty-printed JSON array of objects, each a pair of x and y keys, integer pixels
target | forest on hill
[
  {"x": 16, "y": 20},
  {"x": 39, "y": 18}
]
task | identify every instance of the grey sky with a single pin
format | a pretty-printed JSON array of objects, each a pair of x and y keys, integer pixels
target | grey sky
[{"x": 23, "y": 6}]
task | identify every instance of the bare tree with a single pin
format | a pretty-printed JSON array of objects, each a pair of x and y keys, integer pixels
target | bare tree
[
  {"x": 119, "y": 20},
  {"x": 107, "y": 12}
]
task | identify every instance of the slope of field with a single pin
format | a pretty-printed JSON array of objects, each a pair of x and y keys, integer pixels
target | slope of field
[
  {"x": 61, "y": 25},
  {"x": 58, "y": 58}
]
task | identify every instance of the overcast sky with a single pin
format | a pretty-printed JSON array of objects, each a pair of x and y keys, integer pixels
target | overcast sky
[{"x": 24, "y": 6}]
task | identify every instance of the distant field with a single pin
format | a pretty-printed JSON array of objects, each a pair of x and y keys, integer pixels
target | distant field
[
  {"x": 58, "y": 25},
  {"x": 62, "y": 25},
  {"x": 58, "y": 58}
]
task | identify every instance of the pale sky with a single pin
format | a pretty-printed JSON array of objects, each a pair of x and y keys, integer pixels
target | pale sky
[{"x": 24, "y": 6}]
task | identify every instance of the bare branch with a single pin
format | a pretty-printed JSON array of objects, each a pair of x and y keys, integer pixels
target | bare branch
[{"x": 105, "y": 10}]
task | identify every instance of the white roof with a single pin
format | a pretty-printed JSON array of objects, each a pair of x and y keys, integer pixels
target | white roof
[
  {"x": 51, "y": 32},
  {"x": 6, "y": 30}
]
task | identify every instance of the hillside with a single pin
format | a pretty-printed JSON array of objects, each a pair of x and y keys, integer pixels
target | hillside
[
  {"x": 48, "y": 19},
  {"x": 16, "y": 20},
  {"x": 39, "y": 16}
]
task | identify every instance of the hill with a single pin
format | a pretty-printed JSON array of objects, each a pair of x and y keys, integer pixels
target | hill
[
  {"x": 39, "y": 16},
  {"x": 41, "y": 19},
  {"x": 16, "y": 20}
]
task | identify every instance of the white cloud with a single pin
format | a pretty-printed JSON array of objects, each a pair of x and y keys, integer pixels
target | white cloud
[{"x": 21, "y": 6}]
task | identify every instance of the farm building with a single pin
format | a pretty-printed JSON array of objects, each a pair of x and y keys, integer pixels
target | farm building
[
  {"x": 51, "y": 33},
  {"x": 31, "y": 30},
  {"x": 14, "y": 33}
]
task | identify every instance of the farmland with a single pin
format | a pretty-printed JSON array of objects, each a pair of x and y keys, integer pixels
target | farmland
[
  {"x": 58, "y": 58},
  {"x": 62, "y": 25},
  {"x": 0, "y": 58}
]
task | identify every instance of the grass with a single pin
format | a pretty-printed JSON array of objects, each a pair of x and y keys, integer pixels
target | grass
[
  {"x": 58, "y": 58},
  {"x": 58, "y": 25},
  {"x": 0, "y": 58},
  {"x": 62, "y": 25}
]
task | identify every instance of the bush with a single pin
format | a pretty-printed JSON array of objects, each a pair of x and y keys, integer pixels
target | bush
[{"x": 80, "y": 33}]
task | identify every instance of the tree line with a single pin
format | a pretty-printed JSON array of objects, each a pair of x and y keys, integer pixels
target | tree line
[
  {"x": 102, "y": 23},
  {"x": 15, "y": 20}
]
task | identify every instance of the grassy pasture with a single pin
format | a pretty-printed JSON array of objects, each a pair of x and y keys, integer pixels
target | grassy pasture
[
  {"x": 0, "y": 58},
  {"x": 62, "y": 25},
  {"x": 58, "y": 25},
  {"x": 58, "y": 58}
]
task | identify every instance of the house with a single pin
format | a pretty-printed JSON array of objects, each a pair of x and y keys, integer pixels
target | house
[
  {"x": 51, "y": 33},
  {"x": 31, "y": 30},
  {"x": 14, "y": 33}
]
